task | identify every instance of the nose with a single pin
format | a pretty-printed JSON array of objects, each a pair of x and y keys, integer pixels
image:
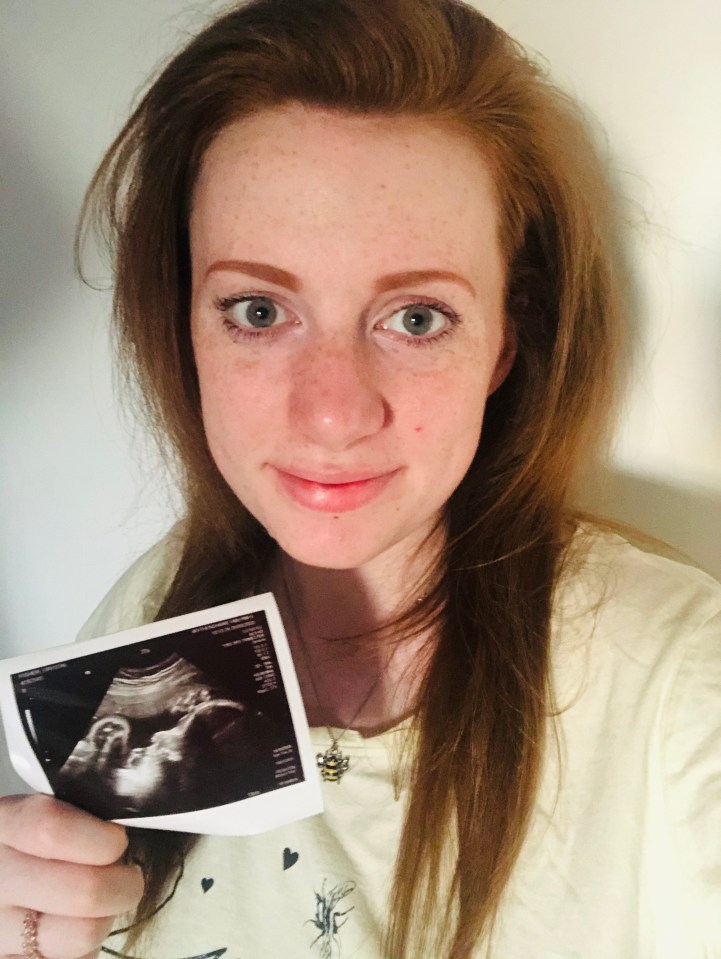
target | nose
[{"x": 335, "y": 397}]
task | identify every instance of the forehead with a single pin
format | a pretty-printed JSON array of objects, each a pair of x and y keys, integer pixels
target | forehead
[{"x": 408, "y": 181}]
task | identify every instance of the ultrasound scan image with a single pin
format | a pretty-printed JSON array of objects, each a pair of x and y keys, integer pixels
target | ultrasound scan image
[{"x": 161, "y": 728}]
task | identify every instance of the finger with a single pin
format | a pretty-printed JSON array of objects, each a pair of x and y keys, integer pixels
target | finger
[
  {"x": 68, "y": 888},
  {"x": 95, "y": 954},
  {"x": 46, "y": 827},
  {"x": 58, "y": 937}
]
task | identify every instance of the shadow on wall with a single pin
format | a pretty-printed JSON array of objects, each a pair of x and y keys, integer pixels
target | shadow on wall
[
  {"x": 687, "y": 519},
  {"x": 10, "y": 783}
]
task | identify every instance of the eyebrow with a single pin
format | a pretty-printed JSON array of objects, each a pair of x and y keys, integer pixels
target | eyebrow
[
  {"x": 273, "y": 274},
  {"x": 409, "y": 277},
  {"x": 261, "y": 271}
]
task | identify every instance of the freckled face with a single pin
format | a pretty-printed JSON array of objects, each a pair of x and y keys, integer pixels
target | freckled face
[{"x": 347, "y": 322}]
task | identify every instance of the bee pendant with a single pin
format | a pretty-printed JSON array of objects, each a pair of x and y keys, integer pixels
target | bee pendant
[{"x": 332, "y": 764}]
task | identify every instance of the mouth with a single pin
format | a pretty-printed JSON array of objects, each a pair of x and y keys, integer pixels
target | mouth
[{"x": 335, "y": 493}]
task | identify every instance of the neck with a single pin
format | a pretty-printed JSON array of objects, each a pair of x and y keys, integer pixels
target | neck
[{"x": 351, "y": 673}]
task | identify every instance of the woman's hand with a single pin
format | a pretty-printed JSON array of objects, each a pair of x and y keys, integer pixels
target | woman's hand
[{"x": 63, "y": 864}]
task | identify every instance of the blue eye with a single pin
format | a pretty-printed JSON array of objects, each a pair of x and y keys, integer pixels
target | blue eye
[
  {"x": 258, "y": 312},
  {"x": 252, "y": 315},
  {"x": 420, "y": 320}
]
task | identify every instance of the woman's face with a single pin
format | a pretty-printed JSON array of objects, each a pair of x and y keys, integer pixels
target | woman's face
[{"x": 347, "y": 322}]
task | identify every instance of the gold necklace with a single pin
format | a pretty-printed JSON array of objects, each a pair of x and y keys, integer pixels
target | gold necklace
[{"x": 333, "y": 763}]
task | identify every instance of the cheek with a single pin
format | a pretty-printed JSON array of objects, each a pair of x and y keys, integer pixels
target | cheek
[
  {"x": 237, "y": 407},
  {"x": 445, "y": 432}
]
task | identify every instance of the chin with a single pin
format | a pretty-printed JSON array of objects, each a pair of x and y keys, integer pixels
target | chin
[
  {"x": 346, "y": 540},
  {"x": 340, "y": 547},
  {"x": 330, "y": 555}
]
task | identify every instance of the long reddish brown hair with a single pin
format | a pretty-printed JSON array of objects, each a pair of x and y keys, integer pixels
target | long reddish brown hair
[{"x": 485, "y": 702}]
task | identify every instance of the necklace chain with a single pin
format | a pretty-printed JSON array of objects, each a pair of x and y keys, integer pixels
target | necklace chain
[{"x": 333, "y": 763}]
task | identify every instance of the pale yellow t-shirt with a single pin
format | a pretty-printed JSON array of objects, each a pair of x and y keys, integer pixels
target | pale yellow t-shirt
[{"x": 623, "y": 859}]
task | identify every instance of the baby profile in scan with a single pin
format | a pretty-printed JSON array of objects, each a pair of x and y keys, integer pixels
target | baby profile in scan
[{"x": 163, "y": 740}]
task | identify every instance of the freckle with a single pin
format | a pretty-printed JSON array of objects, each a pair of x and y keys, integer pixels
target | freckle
[{"x": 418, "y": 429}]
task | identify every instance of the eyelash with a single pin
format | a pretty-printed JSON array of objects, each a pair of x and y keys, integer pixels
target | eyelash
[
  {"x": 454, "y": 320},
  {"x": 226, "y": 303}
]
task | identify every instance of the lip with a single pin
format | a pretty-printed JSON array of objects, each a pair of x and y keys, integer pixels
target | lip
[{"x": 336, "y": 492}]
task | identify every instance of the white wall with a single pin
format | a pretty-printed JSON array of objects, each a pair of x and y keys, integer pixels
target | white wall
[
  {"x": 75, "y": 509},
  {"x": 650, "y": 71}
]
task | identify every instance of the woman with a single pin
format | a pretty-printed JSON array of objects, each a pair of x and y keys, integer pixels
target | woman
[{"x": 366, "y": 283}]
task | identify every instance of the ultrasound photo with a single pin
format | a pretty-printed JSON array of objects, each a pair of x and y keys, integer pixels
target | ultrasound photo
[{"x": 179, "y": 722}]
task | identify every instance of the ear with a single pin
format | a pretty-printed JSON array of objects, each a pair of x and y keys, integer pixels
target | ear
[{"x": 509, "y": 347}]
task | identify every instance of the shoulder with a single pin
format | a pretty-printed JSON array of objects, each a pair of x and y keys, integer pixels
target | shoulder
[
  {"x": 638, "y": 663},
  {"x": 643, "y": 617},
  {"x": 637, "y": 647},
  {"x": 638, "y": 597},
  {"x": 136, "y": 597}
]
